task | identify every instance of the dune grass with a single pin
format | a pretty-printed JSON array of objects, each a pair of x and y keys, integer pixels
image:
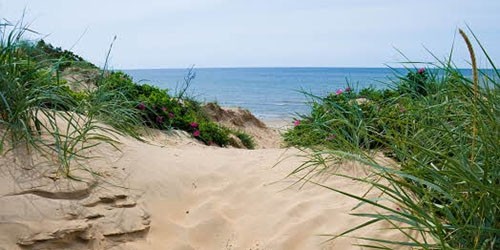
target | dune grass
[
  {"x": 40, "y": 113},
  {"x": 443, "y": 129}
]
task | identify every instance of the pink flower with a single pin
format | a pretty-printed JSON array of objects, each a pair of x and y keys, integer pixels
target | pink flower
[
  {"x": 171, "y": 115},
  {"x": 421, "y": 70},
  {"x": 141, "y": 106},
  {"x": 194, "y": 125},
  {"x": 296, "y": 123},
  {"x": 196, "y": 133},
  {"x": 164, "y": 109},
  {"x": 348, "y": 89},
  {"x": 159, "y": 119},
  {"x": 339, "y": 91}
]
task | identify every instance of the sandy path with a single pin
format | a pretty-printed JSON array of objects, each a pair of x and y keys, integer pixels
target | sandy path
[
  {"x": 215, "y": 198},
  {"x": 190, "y": 196}
]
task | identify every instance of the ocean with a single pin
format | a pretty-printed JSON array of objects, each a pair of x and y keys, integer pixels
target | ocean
[{"x": 269, "y": 93}]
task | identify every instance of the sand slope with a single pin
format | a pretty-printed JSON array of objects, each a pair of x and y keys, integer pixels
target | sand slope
[{"x": 189, "y": 196}]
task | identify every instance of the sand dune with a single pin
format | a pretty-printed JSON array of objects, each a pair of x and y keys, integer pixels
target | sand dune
[{"x": 183, "y": 195}]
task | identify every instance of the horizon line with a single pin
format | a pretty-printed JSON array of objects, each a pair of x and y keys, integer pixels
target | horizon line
[{"x": 281, "y": 67}]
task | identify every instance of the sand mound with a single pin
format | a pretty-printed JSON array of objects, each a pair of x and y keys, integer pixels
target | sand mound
[
  {"x": 236, "y": 117},
  {"x": 43, "y": 210},
  {"x": 81, "y": 79},
  {"x": 244, "y": 120}
]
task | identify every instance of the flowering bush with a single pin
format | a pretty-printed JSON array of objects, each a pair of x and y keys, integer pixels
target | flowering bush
[
  {"x": 160, "y": 110},
  {"x": 346, "y": 118},
  {"x": 416, "y": 83}
]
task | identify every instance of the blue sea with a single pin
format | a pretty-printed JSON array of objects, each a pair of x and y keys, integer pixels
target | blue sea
[{"x": 269, "y": 93}]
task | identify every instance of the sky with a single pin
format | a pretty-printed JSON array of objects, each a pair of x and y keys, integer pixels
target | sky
[{"x": 260, "y": 33}]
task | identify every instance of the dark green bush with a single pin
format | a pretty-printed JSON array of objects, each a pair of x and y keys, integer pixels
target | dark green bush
[{"x": 415, "y": 82}]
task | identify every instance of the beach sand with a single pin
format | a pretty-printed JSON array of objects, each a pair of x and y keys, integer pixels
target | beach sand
[{"x": 174, "y": 193}]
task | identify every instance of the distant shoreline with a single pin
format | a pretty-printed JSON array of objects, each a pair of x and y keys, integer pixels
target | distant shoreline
[{"x": 266, "y": 92}]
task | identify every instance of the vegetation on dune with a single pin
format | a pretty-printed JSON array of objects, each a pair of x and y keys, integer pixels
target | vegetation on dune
[
  {"x": 443, "y": 128},
  {"x": 245, "y": 139},
  {"x": 35, "y": 103},
  {"x": 158, "y": 109},
  {"x": 41, "y": 112}
]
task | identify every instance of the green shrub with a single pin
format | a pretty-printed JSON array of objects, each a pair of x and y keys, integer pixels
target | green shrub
[
  {"x": 212, "y": 133},
  {"x": 161, "y": 110},
  {"x": 246, "y": 139}
]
